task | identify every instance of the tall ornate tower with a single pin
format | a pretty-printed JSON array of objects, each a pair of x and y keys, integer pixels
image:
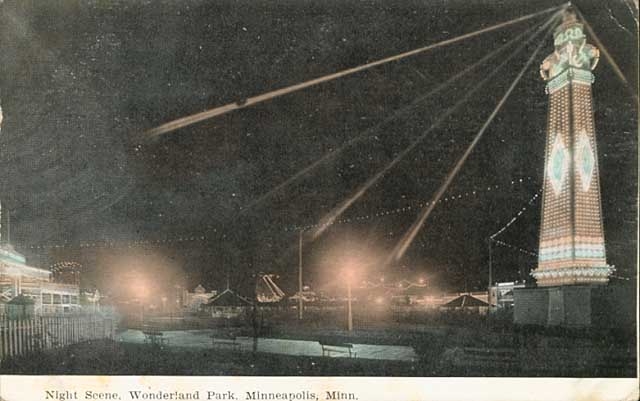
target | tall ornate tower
[{"x": 572, "y": 247}]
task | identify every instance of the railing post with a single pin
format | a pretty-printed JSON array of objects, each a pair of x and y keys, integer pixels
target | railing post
[
  {"x": 27, "y": 335},
  {"x": 17, "y": 321},
  {"x": 50, "y": 332},
  {"x": 59, "y": 336},
  {"x": 32, "y": 327},
  {"x": 46, "y": 328},
  {"x": 43, "y": 333},
  {"x": 11, "y": 335},
  {"x": 19, "y": 336},
  {"x": 32, "y": 334},
  {"x": 2, "y": 340},
  {"x": 38, "y": 335}
]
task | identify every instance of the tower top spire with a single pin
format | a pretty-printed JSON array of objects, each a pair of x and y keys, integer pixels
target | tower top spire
[
  {"x": 569, "y": 20},
  {"x": 569, "y": 16},
  {"x": 572, "y": 55}
]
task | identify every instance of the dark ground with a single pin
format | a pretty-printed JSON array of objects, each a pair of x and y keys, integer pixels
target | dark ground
[{"x": 460, "y": 348}]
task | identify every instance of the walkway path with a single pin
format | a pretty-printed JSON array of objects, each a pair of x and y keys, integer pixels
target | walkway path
[{"x": 202, "y": 339}]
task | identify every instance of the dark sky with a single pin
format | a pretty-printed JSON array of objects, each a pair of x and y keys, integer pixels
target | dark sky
[{"x": 81, "y": 80}]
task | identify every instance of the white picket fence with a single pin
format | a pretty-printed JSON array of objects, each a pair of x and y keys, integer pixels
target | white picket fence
[{"x": 32, "y": 334}]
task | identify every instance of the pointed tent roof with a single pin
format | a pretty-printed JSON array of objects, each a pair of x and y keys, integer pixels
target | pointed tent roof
[
  {"x": 229, "y": 298},
  {"x": 464, "y": 301}
]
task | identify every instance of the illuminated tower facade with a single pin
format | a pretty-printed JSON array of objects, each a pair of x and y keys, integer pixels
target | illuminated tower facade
[{"x": 572, "y": 249}]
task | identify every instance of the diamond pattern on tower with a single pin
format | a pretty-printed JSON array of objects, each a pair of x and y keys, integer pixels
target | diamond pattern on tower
[
  {"x": 586, "y": 161},
  {"x": 558, "y": 164}
]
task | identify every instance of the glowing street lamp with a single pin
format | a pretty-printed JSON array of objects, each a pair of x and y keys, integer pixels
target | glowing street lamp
[{"x": 349, "y": 275}]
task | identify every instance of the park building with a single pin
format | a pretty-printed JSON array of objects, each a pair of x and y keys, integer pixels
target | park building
[
  {"x": 501, "y": 294},
  {"x": 227, "y": 305},
  {"x": 199, "y": 297},
  {"x": 18, "y": 279}
]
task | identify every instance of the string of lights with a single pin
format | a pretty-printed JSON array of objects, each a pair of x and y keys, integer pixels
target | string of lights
[
  {"x": 620, "y": 277},
  {"x": 517, "y": 216},
  {"x": 65, "y": 266},
  {"x": 414, "y": 205},
  {"x": 514, "y": 247},
  {"x": 111, "y": 243}
]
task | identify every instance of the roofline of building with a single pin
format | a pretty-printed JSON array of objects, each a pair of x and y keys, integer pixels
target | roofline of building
[{"x": 14, "y": 269}]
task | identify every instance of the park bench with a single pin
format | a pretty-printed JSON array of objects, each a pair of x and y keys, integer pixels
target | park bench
[
  {"x": 154, "y": 337},
  {"x": 337, "y": 347},
  {"x": 228, "y": 342}
]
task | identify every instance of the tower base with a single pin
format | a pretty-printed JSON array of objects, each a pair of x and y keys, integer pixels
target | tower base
[{"x": 578, "y": 306}]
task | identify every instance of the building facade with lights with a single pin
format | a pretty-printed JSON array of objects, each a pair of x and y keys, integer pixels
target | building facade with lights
[
  {"x": 18, "y": 278},
  {"x": 199, "y": 297},
  {"x": 572, "y": 248}
]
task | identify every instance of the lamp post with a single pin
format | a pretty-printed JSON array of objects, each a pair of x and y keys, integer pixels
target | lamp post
[
  {"x": 489, "y": 297},
  {"x": 349, "y": 274},
  {"x": 490, "y": 243},
  {"x": 300, "y": 301},
  {"x": 349, "y": 313},
  {"x": 142, "y": 313}
]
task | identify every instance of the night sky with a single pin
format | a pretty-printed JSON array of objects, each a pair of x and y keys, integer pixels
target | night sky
[{"x": 80, "y": 81}]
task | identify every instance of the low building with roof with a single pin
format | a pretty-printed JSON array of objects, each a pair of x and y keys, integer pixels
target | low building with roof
[
  {"x": 466, "y": 303},
  {"x": 199, "y": 297},
  {"x": 228, "y": 304},
  {"x": 501, "y": 294}
]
